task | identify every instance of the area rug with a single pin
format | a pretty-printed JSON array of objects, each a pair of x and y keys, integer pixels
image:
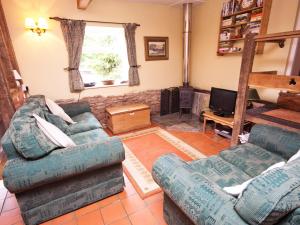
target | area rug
[
  {"x": 143, "y": 147},
  {"x": 182, "y": 127}
]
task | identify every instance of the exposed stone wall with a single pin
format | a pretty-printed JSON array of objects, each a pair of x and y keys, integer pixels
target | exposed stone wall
[{"x": 99, "y": 103}]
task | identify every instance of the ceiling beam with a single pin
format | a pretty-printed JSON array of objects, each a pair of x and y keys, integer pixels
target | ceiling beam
[{"x": 83, "y": 4}]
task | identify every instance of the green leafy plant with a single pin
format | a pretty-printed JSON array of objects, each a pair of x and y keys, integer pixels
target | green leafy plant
[{"x": 105, "y": 64}]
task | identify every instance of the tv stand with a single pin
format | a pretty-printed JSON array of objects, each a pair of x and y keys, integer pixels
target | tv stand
[
  {"x": 226, "y": 121},
  {"x": 221, "y": 114}
]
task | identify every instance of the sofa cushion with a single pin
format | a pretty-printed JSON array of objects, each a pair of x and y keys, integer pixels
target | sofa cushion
[
  {"x": 250, "y": 158},
  {"x": 84, "y": 122},
  {"x": 58, "y": 122},
  {"x": 39, "y": 99},
  {"x": 89, "y": 136},
  {"x": 276, "y": 140},
  {"x": 27, "y": 138},
  {"x": 271, "y": 196},
  {"x": 219, "y": 171},
  {"x": 20, "y": 175}
]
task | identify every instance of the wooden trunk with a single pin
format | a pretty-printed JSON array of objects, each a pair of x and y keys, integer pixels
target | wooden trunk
[{"x": 127, "y": 118}]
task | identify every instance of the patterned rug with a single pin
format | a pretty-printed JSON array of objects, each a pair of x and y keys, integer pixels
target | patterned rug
[
  {"x": 143, "y": 147},
  {"x": 182, "y": 127}
]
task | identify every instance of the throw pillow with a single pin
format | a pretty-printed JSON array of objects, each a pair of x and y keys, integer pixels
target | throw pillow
[
  {"x": 53, "y": 133},
  {"x": 271, "y": 196},
  {"x": 237, "y": 190},
  {"x": 58, "y": 111},
  {"x": 29, "y": 141}
]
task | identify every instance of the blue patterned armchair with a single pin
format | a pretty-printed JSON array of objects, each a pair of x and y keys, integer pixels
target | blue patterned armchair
[
  {"x": 51, "y": 182},
  {"x": 193, "y": 191}
]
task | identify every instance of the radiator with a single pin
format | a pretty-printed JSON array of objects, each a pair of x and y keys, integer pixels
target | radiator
[{"x": 201, "y": 102}]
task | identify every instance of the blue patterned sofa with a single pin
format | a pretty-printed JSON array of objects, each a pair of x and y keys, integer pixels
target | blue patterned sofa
[
  {"x": 193, "y": 191},
  {"x": 61, "y": 180}
]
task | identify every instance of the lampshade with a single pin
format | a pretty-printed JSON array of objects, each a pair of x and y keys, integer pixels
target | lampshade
[
  {"x": 29, "y": 23},
  {"x": 17, "y": 75},
  {"x": 42, "y": 23},
  {"x": 253, "y": 94}
]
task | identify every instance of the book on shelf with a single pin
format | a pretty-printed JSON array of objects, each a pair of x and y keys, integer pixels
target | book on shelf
[
  {"x": 229, "y": 7},
  {"x": 230, "y": 50},
  {"x": 256, "y": 17},
  {"x": 259, "y": 3},
  {"x": 227, "y": 22},
  {"x": 226, "y": 34},
  {"x": 225, "y": 44},
  {"x": 255, "y": 27}
]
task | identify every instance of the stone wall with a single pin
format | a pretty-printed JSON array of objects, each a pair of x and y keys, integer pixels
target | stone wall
[{"x": 99, "y": 103}]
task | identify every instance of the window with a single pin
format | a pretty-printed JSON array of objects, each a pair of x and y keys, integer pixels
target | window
[{"x": 104, "y": 56}]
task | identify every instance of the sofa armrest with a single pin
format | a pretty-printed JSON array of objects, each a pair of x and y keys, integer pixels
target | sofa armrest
[
  {"x": 274, "y": 139},
  {"x": 20, "y": 175},
  {"x": 200, "y": 199},
  {"x": 76, "y": 108}
]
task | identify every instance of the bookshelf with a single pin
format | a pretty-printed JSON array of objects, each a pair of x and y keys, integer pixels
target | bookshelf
[{"x": 236, "y": 22}]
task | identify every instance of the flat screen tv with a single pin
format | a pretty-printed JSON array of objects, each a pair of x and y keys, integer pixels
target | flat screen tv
[{"x": 222, "y": 101}]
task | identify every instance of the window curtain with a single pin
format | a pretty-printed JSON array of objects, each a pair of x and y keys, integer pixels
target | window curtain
[
  {"x": 73, "y": 32},
  {"x": 131, "y": 52}
]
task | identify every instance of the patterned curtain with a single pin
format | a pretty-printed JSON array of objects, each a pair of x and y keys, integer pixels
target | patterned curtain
[
  {"x": 131, "y": 51},
  {"x": 73, "y": 32}
]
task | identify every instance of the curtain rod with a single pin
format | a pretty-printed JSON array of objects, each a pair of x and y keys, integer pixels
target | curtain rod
[{"x": 89, "y": 21}]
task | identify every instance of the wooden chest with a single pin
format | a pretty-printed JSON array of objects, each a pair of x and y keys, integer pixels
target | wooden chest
[{"x": 129, "y": 117}]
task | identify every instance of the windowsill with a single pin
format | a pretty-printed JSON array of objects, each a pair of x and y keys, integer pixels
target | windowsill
[{"x": 106, "y": 86}]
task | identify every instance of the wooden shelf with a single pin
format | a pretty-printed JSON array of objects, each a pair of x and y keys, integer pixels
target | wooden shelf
[
  {"x": 232, "y": 39},
  {"x": 229, "y": 53},
  {"x": 243, "y": 11},
  {"x": 234, "y": 25},
  {"x": 243, "y": 28}
]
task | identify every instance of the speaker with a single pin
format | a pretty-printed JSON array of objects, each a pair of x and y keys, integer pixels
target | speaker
[
  {"x": 174, "y": 100},
  {"x": 164, "y": 102}
]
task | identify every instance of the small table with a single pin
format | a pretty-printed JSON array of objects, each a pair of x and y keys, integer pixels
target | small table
[{"x": 226, "y": 121}]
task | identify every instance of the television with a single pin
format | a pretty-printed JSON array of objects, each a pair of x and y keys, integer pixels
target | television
[{"x": 222, "y": 101}]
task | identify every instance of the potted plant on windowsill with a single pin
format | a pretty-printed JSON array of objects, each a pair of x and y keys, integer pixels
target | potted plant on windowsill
[
  {"x": 108, "y": 82},
  {"x": 109, "y": 63}
]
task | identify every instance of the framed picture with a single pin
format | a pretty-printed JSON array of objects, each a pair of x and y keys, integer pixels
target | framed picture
[{"x": 156, "y": 48}]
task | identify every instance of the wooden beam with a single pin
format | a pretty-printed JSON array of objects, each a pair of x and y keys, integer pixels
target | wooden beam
[
  {"x": 267, "y": 5},
  {"x": 286, "y": 82},
  {"x": 278, "y": 36},
  {"x": 10, "y": 56},
  {"x": 83, "y": 4},
  {"x": 242, "y": 97}
]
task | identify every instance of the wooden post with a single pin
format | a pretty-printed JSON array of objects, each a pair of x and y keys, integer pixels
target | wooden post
[
  {"x": 7, "y": 108},
  {"x": 242, "y": 97},
  {"x": 9, "y": 48}
]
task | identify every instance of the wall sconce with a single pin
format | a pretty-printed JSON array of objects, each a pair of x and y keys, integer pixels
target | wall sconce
[{"x": 38, "y": 27}]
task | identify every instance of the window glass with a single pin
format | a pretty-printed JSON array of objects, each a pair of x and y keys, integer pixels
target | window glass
[{"x": 104, "y": 56}]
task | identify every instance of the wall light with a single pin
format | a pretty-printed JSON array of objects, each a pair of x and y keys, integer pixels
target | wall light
[{"x": 38, "y": 27}]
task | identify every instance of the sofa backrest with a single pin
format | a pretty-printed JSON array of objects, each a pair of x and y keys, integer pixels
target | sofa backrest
[
  {"x": 276, "y": 140},
  {"x": 19, "y": 133}
]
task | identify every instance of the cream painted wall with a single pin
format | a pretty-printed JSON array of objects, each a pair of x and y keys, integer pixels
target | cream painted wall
[
  {"x": 42, "y": 59},
  {"x": 209, "y": 70}
]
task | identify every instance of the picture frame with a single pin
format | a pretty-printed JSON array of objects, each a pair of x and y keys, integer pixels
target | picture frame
[{"x": 156, "y": 48}]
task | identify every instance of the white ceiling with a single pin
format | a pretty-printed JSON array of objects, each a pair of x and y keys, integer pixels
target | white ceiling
[{"x": 168, "y": 2}]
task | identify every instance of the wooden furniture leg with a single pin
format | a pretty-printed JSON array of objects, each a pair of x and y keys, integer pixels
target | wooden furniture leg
[{"x": 204, "y": 124}]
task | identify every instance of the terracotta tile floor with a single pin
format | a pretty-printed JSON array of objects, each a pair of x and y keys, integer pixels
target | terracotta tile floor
[{"x": 125, "y": 208}]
